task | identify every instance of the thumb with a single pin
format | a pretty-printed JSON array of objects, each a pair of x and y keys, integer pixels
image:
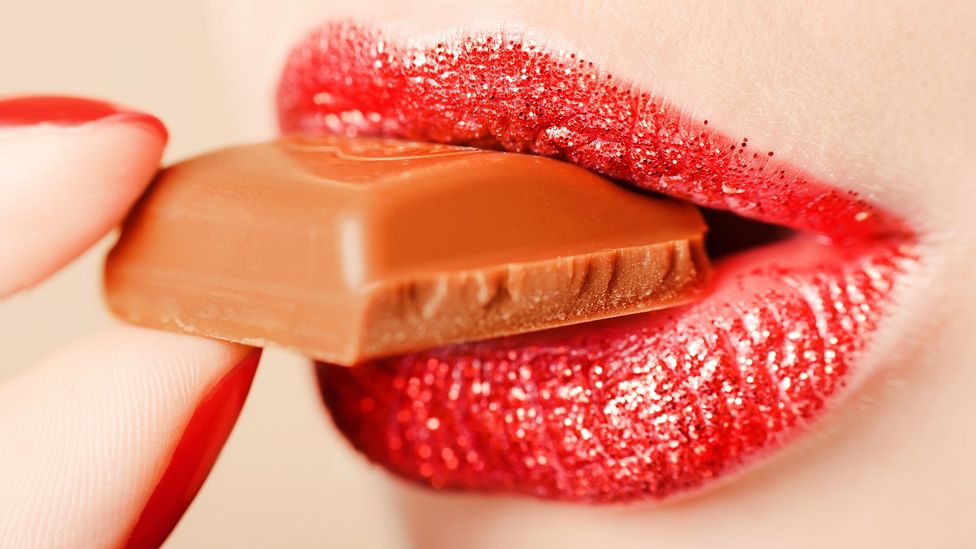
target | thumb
[{"x": 106, "y": 444}]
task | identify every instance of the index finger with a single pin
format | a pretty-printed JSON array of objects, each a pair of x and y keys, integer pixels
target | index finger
[{"x": 70, "y": 168}]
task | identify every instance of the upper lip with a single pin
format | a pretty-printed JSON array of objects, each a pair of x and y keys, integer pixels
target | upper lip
[
  {"x": 741, "y": 371},
  {"x": 527, "y": 100}
]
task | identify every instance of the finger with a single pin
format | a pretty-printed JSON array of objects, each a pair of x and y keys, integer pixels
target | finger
[
  {"x": 106, "y": 443},
  {"x": 69, "y": 170}
]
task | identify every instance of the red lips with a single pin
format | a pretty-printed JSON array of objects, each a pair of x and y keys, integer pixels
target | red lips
[{"x": 645, "y": 406}]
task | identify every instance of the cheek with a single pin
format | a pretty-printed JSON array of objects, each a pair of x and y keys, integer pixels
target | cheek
[{"x": 250, "y": 40}]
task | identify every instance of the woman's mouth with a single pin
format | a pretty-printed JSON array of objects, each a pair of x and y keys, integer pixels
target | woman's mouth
[{"x": 646, "y": 406}]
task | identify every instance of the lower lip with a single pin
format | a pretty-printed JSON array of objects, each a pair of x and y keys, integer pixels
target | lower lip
[{"x": 647, "y": 406}]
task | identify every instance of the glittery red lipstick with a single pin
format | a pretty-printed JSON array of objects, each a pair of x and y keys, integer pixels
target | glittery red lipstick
[{"x": 645, "y": 406}]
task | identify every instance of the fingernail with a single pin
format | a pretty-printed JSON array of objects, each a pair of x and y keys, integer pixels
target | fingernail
[
  {"x": 69, "y": 112},
  {"x": 194, "y": 455}
]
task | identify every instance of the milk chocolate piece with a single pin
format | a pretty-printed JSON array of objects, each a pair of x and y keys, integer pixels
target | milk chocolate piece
[{"x": 348, "y": 249}]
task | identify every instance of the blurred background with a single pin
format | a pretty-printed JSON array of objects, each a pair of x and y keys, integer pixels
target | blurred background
[{"x": 285, "y": 479}]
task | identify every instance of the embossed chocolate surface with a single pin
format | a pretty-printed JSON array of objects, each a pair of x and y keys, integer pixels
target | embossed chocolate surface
[{"x": 348, "y": 249}]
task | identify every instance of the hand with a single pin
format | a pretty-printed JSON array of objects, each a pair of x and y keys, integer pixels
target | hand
[{"x": 107, "y": 442}]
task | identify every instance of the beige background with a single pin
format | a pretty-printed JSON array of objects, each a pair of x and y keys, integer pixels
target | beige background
[{"x": 284, "y": 479}]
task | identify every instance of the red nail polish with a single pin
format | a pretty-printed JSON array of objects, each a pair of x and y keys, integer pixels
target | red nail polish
[
  {"x": 194, "y": 455},
  {"x": 69, "y": 111}
]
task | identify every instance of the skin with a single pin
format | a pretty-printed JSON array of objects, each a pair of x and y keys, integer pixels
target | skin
[
  {"x": 869, "y": 96},
  {"x": 100, "y": 432},
  {"x": 872, "y": 97}
]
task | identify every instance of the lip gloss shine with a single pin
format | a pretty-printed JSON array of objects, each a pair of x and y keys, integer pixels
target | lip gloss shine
[
  {"x": 501, "y": 93},
  {"x": 647, "y": 406}
]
